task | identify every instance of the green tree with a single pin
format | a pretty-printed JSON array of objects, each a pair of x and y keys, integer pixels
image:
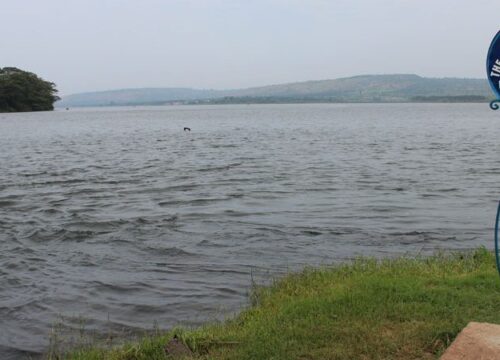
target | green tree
[{"x": 24, "y": 91}]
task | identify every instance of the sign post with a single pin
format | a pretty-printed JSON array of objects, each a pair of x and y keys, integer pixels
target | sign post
[
  {"x": 493, "y": 73},
  {"x": 497, "y": 258}
]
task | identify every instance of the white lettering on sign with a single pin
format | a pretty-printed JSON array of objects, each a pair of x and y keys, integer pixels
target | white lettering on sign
[{"x": 495, "y": 69}]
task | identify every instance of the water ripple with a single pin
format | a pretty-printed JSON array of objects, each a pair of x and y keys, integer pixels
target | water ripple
[{"x": 121, "y": 218}]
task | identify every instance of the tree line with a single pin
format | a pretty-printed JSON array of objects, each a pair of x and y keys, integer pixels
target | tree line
[{"x": 25, "y": 91}]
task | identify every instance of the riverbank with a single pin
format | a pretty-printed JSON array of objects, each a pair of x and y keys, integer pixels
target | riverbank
[{"x": 392, "y": 309}]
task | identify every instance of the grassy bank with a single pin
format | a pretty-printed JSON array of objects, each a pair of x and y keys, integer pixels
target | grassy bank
[{"x": 393, "y": 309}]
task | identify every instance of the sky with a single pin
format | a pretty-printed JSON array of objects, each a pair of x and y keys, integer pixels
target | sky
[{"x": 93, "y": 45}]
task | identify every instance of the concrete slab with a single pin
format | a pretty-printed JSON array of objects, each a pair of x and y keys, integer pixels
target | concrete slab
[{"x": 477, "y": 341}]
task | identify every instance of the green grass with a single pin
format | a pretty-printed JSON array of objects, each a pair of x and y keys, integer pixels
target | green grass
[{"x": 392, "y": 309}]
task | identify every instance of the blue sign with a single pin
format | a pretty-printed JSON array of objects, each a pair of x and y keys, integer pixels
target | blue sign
[{"x": 493, "y": 69}]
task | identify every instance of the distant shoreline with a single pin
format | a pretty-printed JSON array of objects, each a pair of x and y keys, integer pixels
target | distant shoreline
[
  {"x": 356, "y": 89},
  {"x": 473, "y": 99}
]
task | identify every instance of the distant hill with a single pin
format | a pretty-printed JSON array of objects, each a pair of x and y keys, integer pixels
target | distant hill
[
  {"x": 136, "y": 97},
  {"x": 362, "y": 88}
]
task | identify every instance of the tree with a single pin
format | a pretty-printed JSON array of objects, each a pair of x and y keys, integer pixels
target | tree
[{"x": 24, "y": 91}]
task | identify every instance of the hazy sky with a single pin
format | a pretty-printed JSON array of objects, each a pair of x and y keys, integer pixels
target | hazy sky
[{"x": 87, "y": 45}]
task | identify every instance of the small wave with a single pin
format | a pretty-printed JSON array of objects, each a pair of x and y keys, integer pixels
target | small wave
[
  {"x": 194, "y": 202},
  {"x": 97, "y": 226},
  {"x": 413, "y": 237},
  {"x": 13, "y": 353},
  {"x": 120, "y": 288},
  {"x": 412, "y": 233},
  {"x": 66, "y": 172},
  {"x": 216, "y": 146},
  {"x": 207, "y": 243},
  {"x": 226, "y": 290},
  {"x": 58, "y": 182},
  {"x": 344, "y": 231},
  {"x": 234, "y": 213},
  {"x": 50, "y": 211},
  {"x": 170, "y": 251},
  {"x": 170, "y": 221},
  {"x": 42, "y": 235},
  {"x": 5, "y": 203},
  {"x": 33, "y": 174},
  {"x": 224, "y": 270},
  {"x": 219, "y": 168},
  {"x": 398, "y": 189},
  {"x": 272, "y": 230},
  {"x": 311, "y": 232},
  {"x": 430, "y": 195},
  {"x": 142, "y": 221}
]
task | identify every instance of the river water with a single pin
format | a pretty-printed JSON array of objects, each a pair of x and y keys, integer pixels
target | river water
[{"x": 119, "y": 217}]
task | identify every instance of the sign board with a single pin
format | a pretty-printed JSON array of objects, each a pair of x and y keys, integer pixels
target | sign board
[{"x": 493, "y": 69}]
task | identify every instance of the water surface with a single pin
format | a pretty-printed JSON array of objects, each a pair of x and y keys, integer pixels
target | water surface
[{"x": 120, "y": 217}]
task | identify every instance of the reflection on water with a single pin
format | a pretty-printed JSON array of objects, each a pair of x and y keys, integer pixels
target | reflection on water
[{"x": 120, "y": 216}]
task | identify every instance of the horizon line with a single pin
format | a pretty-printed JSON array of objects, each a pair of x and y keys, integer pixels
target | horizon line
[{"x": 269, "y": 85}]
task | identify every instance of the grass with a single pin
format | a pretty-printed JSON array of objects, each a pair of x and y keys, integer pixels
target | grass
[{"x": 407, "y": 308}]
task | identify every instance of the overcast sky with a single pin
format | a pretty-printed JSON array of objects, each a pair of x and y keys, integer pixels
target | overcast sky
[{"x": 88, "y": 45}]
